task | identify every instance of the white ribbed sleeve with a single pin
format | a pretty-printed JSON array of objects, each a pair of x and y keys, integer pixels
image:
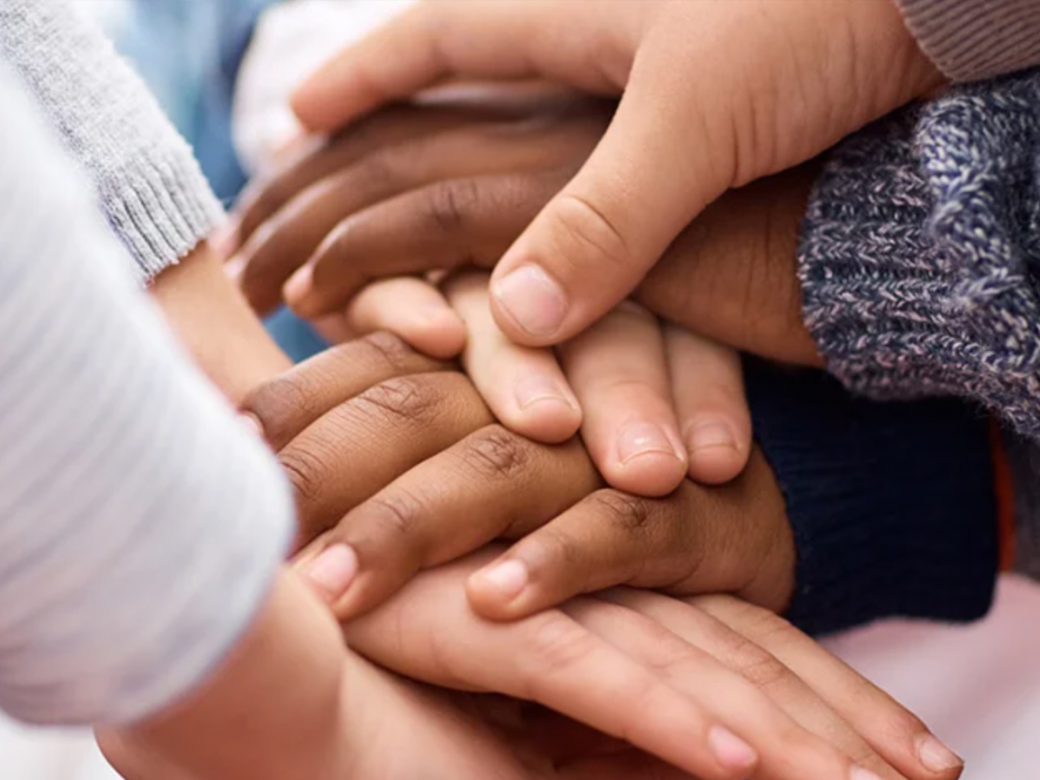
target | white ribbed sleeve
[{"x": 140, "y": 523}]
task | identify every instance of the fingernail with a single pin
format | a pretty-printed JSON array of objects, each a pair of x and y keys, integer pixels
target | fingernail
[
  {"x": 253, "y": 424},
  {"x": 730, "y": 750},
  {"x": 540, "y": 389},
  {"x": 333, "y": 570},
  {"x": 433, "y": 314},
  {"x": 643, "y": 439},
  {"x": 234, "y": 267},
  {"x": 224, "y": 240},
  {"x": 859, "y": 773},
  {"x": 299, "y": 285},
  {"x": 935, "y": 756},
  {"x": 508, "y": 578},
  {"x": 533, "y": 299},
  {"x": 708, "y": 434}
]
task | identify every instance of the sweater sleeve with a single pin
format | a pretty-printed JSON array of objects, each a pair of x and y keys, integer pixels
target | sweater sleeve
[
  {"x": 140, "y": 523},
  {"x": 147, "y": 180},
  {"x": 918, "y": 254},
  {"x": 893, "y": 506},
  {"x": 976, "y": 39}
]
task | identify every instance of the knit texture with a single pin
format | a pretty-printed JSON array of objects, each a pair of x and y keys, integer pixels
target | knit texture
[
  {"x": 919, "y": 253},
  {"x": 145, "y": 175},
  {"x": 893, "y": 506},
  {"x": 976, "y": 39}
]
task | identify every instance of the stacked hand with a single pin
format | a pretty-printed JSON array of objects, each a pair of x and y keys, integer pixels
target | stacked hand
[
  {"x": 403, "y": 511},
  {"x": 645, "y": 680},
  {"x": 571, "y": 219},
  {"x": 449, "y": 185}
]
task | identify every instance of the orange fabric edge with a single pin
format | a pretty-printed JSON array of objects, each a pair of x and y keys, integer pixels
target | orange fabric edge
[{"x": 1004, "y": 487}]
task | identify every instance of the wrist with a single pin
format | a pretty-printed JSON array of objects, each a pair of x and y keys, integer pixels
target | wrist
[
  {"x": 273, "y": 709},
  {"x": 216, "y": 325}
]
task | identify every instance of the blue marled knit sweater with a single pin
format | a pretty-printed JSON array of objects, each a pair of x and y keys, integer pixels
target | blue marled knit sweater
[{"x": 920, "y": 264}]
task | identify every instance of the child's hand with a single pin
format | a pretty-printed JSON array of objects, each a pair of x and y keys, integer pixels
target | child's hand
[
  {"x": 659, "y": 403},
  {"x": 409, "y": 470},
  {"x": 695, "y": 667},
  {"x": 715, "y": 95},
  {"x": 583, "y": 660}
]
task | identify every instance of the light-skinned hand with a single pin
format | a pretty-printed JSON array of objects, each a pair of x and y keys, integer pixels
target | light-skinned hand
[{"x": 714, "y": 95}]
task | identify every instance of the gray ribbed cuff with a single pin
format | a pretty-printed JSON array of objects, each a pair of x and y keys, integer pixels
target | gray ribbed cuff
[
  {"x": 976, "y": 39},
  {"x": 160, "y": 208}
]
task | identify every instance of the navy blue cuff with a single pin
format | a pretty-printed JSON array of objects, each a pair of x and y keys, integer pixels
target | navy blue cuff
[{"x": 892, "y": 505}]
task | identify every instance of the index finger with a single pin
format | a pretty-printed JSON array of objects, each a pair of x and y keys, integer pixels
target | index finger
[{"x": 432, "y": 41}]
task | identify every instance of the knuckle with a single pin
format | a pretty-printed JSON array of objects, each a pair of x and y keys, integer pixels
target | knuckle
[
  {"x": 495, "y": 453},
  {"x": 756, "y": 665},
  {"x": 307, "y": 474},
  {"x": 584, "y": 229},
  {"x": 408, "y": 399},
  {"x": 557, "y": 645},
  {"x": 450, "y": 203},
  {"x": 387, "y": 349},
  {"x": 377, "y": 172},
  {"x": 631, "y": 514},
  {"x": 278, "y": 404},
  {"x": 397, "y": 514}
]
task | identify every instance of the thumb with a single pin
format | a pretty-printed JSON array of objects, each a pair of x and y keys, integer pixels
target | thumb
[{"x": 594, "y": 242}]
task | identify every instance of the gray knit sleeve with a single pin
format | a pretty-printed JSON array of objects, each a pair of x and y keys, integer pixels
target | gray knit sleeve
[
  {"x": 976, "y": 39},
  {"x": 920, "y": 252},
  {"x": 149, "y": 184}
]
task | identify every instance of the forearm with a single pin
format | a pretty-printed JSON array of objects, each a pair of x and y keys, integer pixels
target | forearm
[
  {"x": 215, "y": 323},
  {"x": 972, "y": 39},
  {"x": 272, "y": 711}
]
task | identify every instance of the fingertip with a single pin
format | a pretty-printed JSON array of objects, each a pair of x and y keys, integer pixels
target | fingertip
[
  {"x": 716, "y": 453},
  {"x": 528, "y": 305},
  {"x": 439, "y": 332},
  {"x": 546, "y": 410},
  {"x": 298, "y": 292},
  {"x": 306, "y": 101},
  {"x": 226, "y": 239},
  {"x": 650, "y": 461},
  {"x": 495, "y": 591},
  {"x": 332, "y": 571}
]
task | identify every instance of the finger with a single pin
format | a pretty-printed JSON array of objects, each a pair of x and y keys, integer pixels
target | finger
[
  {"x": 432, "y": 41},
  {"x": 492, "y": 483},
  {"x": 616, "y": 218},
  {"x": 733, "y": 539},
  {"x": 362, "y": 445},
  {"x": 762, "y": 694},
  {"x": 266, "y": 195},
  {"x": 548, "y": 659},
  {"x": 454, "y": 222},
  {"x": 297, "y": 230},
  {"x": 708, "y": 390},
  {"x": 892, "y": 730},
  {"x": 285, "y": 406},
  {"x": 732, "y": 275},
  {"x": 524, "y": 387},
  {"x": 619, "y": 373},
  {"x": 412, "y": 309}
]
